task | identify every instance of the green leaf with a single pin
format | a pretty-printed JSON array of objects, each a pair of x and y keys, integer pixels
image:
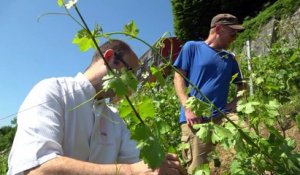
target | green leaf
[
  {"x": 241, "y": 93},
  {"x": 124, "y": 109},
  {"x": 130, "y": 80},
  {"x": 199, "y": 107},
  {"x": 249, "y": 107},
  {"x": 294, "y": 57},
  {"x": 272, "y": 108},
  {"x": 151, "y": 150},
  {"x": 202, "y": 170},
  {"x": 146, "y": 108},
  {"x": 116, "y": 84},
  {"x": 131, "y": 29},
  {"x": 220, "y": 133},
  {"x": 203, "y": 132},
  {"x": 158, "y": 74},
  {"x": 84, "y": 44},
  {"x": 259, "y": 80},
  {"x": 84, "y": 40},
  {"x": 60, "y": 3},
  {"x": 298, "y": 121},
  {"x": 163, "y": 127},
  {"x": 233, "y": 77}
]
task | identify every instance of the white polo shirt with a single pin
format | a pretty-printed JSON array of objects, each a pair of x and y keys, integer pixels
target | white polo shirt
[{"x": 59, "y": 117}]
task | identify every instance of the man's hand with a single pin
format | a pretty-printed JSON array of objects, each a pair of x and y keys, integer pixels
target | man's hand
[
  {"x": 171, "y": 166},
  {"x": 191, "y": 117}
]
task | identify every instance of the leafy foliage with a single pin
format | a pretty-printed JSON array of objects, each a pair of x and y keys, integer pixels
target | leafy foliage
[
  {"x": 7, "y": 134},
  {"x": 192, "y": 17},
  {"x": 279, "y": 10}
]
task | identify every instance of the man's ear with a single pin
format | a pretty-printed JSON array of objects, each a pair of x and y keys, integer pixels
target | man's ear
[
  {"x": 108, "y": 54},
  {"x": 218, "y": 28}
]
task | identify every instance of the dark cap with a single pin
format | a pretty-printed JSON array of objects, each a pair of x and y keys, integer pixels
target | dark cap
[{"x": 226, "y": 19}]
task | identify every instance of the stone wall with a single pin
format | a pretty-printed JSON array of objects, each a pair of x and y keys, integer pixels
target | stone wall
[{"x": 287, "y": 28}]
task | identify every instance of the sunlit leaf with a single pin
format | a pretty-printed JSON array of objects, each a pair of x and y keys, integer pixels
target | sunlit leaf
[
  {"x": 131, "y": 29},
  {"x": 146, "y": 108},
  {"x": 234, "y": 77},
  {"x": 60, "y": 3},
  {"x": 202, "y": 170},
  {"x": 125, "y": 109},
  {"x": 151, "y": 151},
  {"x": 200, "y": 108},
  {"x": 158, "y": 74},
  {"x": 115, "y": 83},
  {"x": 203, "y": 132},
  {"x": 84, "y": 40},
  {"x": 241, "y": 93},
  {"x": 259, "y": 80},
  {"x": 220, "y": 133},
  {"x": 163, "y": 127},
  {"x": 249, "y": 107},
  {"x": 130, "y": 80}
]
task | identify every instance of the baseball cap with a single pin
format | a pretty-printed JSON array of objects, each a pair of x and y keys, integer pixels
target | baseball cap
[{"x": 226, "y": 19}]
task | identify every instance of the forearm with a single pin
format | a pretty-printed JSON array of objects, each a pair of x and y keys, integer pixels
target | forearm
[
  {"x": 65, "y": 165},
  {"x": 180, "y": 88}
]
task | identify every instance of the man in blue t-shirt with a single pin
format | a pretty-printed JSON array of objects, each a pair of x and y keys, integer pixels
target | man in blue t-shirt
[{"x": 211, "y": 68}]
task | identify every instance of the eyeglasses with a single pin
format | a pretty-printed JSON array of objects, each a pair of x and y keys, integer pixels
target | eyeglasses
[{"x": 118, "y": 56}]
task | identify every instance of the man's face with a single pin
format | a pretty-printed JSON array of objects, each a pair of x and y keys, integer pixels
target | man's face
[
  {"x": 227, "y": 35},
  {"x": 128, "y": 61}
]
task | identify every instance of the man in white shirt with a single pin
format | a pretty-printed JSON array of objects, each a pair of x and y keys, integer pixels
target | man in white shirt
[{"x": 62, "y": 131}]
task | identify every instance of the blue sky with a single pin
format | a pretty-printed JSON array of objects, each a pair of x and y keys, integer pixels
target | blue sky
[{"x": 31, "y": 51}]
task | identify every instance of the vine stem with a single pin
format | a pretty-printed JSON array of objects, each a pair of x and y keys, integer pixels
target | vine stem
[{"x": 110, "y": 69}]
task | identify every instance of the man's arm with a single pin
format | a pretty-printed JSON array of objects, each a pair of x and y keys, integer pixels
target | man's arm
[
  {"x": 65, "y": 165},
  {"x": 180, "y": 89}
]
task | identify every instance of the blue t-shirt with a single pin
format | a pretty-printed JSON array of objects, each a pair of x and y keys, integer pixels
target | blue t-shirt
[{"x": 210, "y": 70}]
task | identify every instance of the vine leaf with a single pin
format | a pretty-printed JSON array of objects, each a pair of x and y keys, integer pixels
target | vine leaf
[
  {"x": 247, "y": 108},
  {"x": 204, "y": 131},
  {"x": 163, "y": 127},
  {"x": 60, "y": 3},
  {"x": 84, "y": 40},
  {"x": 220, "y": 133},
  {"x": 151, "y": 150},
  {"x": 199, "y": 107},
  {"x": 131, "y": 29},
  {"x": 272, "y": 108},
  {"x": 112, "y": 82},
  {"x": 130, "y": 80},
  {"x": 158, "y": 74},
  {"x": 146, "y": 108},
  {"x": 202, "y": 170}
]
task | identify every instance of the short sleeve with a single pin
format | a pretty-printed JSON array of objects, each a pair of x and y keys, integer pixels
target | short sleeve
[
  {"x": 39, "y": 129},
  {"x": 183, "y": 60}
]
